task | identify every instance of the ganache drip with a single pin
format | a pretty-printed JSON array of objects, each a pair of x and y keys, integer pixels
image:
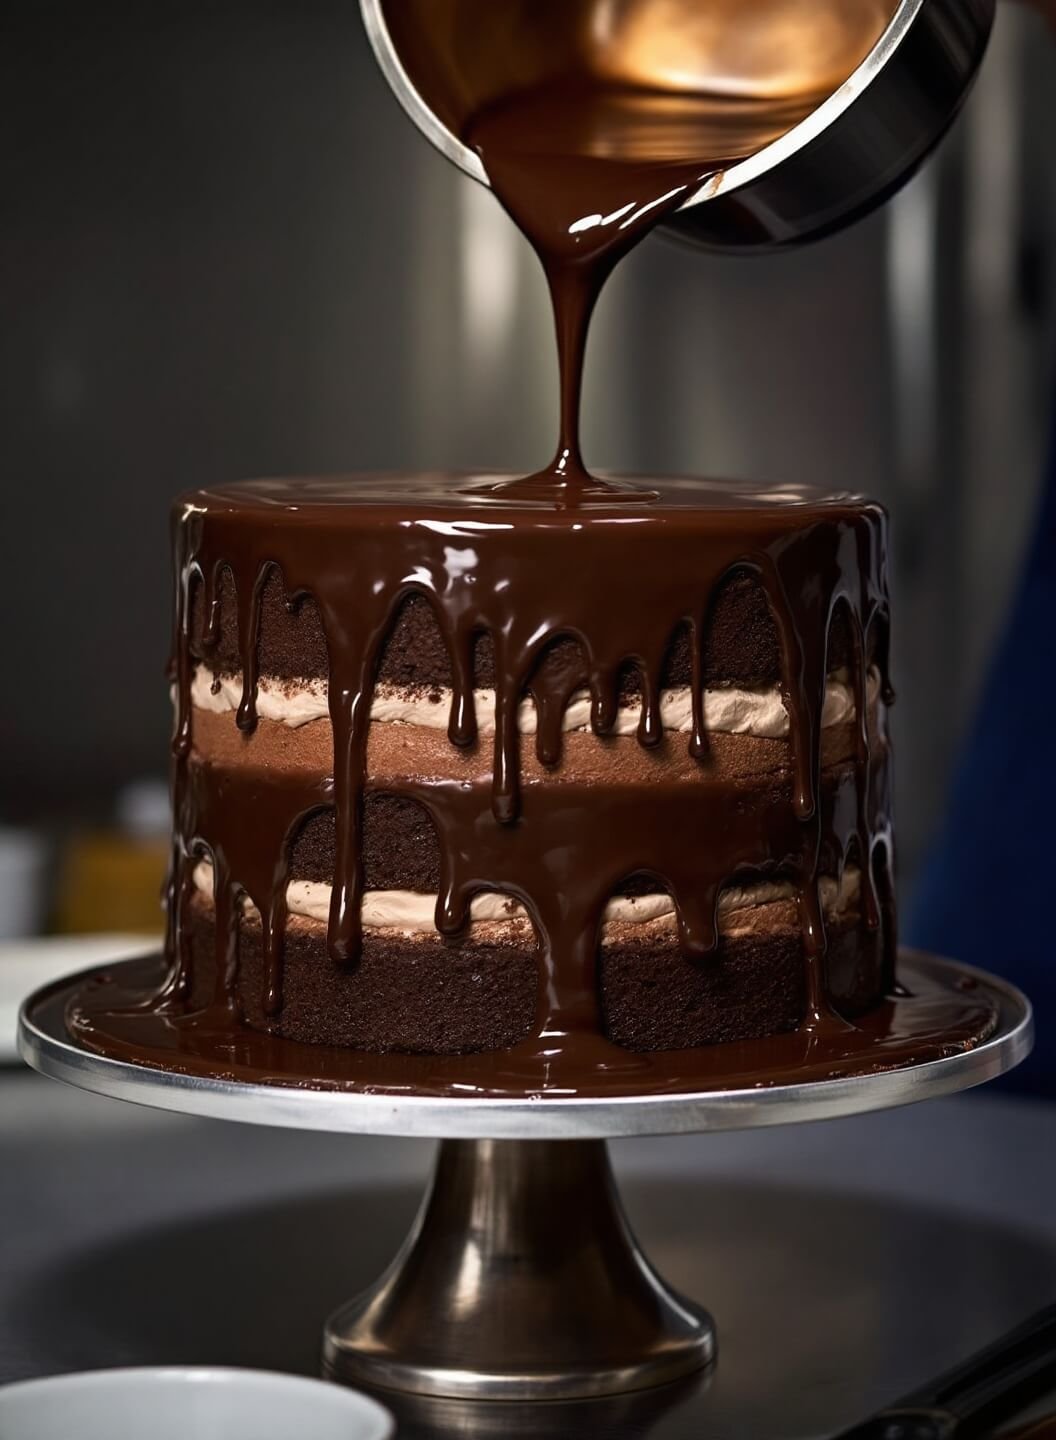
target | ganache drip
[{"x": 560, "y": 852}]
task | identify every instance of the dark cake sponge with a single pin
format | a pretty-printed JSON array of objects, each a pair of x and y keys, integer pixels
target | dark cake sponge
[
  {"x": 401, "y": 849},
  {"x": 424, "y": 995},
  {"x": 741, "y": 644}
]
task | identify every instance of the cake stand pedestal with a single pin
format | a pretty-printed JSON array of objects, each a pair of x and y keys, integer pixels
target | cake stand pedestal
[{"x": 521, "y": 1279}]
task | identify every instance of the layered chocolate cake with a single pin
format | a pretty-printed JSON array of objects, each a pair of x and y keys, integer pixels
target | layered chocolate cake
[{"x": 459, "y": 770}]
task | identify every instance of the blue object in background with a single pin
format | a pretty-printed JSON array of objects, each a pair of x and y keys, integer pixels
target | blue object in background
[{"x": 988, "y": 892}]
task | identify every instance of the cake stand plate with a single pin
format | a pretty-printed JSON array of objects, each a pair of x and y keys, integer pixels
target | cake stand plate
[{"x": 521, "y": 1278}]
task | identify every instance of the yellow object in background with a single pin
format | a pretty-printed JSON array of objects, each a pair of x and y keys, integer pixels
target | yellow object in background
[{"x": 112, "y": 880}]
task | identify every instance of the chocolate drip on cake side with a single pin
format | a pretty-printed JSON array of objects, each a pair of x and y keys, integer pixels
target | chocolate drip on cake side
[{"x": 525, "y": 575}]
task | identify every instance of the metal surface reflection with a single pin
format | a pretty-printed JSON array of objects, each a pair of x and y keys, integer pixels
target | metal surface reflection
[
  {"x": 640, "y": 1414},
  {"x": 520, "y": 1280},
  {"x": 838, "y": 116}
]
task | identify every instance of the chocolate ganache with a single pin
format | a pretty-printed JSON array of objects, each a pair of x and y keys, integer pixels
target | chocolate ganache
[
  {"x": 523, "y": 576},
  {"x": 703, "y": 855}
]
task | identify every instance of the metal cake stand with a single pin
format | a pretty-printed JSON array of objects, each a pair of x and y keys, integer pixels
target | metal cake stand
[{"x": 521, "y": 1279}]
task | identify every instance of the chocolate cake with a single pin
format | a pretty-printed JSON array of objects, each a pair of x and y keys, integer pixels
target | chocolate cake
[{"x": 458, "y": 770}]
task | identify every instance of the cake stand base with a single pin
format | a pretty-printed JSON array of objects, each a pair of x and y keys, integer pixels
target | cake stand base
[{"x": 521, "y": 1280}]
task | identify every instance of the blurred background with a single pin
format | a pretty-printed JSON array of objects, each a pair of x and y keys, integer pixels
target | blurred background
[{"x": 224, "y": 252}]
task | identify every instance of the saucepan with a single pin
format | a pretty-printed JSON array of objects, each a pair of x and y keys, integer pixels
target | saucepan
[{"x": 854, "y": 142}]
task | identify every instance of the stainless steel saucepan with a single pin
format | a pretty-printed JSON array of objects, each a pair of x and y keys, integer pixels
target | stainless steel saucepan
[{"x": 852, "y": 150}]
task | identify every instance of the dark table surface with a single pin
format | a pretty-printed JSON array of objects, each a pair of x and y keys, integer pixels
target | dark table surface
[{"x": 844, "y": 1262}]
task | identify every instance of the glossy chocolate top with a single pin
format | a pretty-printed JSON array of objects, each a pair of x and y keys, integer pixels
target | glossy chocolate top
[{"x": 472, "y": 500}]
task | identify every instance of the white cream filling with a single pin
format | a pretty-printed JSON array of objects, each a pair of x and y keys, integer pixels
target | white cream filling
[
  {"x": 415, "y": 913},
  {"x": 732, "y": 711}
]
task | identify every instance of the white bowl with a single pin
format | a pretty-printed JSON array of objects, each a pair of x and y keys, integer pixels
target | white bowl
[{"x": 188, "y": 1404}]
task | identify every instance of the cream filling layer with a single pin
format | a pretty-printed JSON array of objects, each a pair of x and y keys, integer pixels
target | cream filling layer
[
  {"x": 414, "y": 913},
  {"x": 732, "y": 711}
]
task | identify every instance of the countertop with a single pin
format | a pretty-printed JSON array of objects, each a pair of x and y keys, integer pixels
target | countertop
[{"x": 845, "y": 1262}]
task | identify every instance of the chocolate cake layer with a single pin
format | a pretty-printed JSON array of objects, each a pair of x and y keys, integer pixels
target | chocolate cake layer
[
  {"x": 401, "y": 849},
  {"x": 414, "y": 995},
  {"x": 741, "y": 644},
  {"x": 423, "y": 994},
  {"x": 396, "y": 751},
  {"x": 654, "y": 999}
]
